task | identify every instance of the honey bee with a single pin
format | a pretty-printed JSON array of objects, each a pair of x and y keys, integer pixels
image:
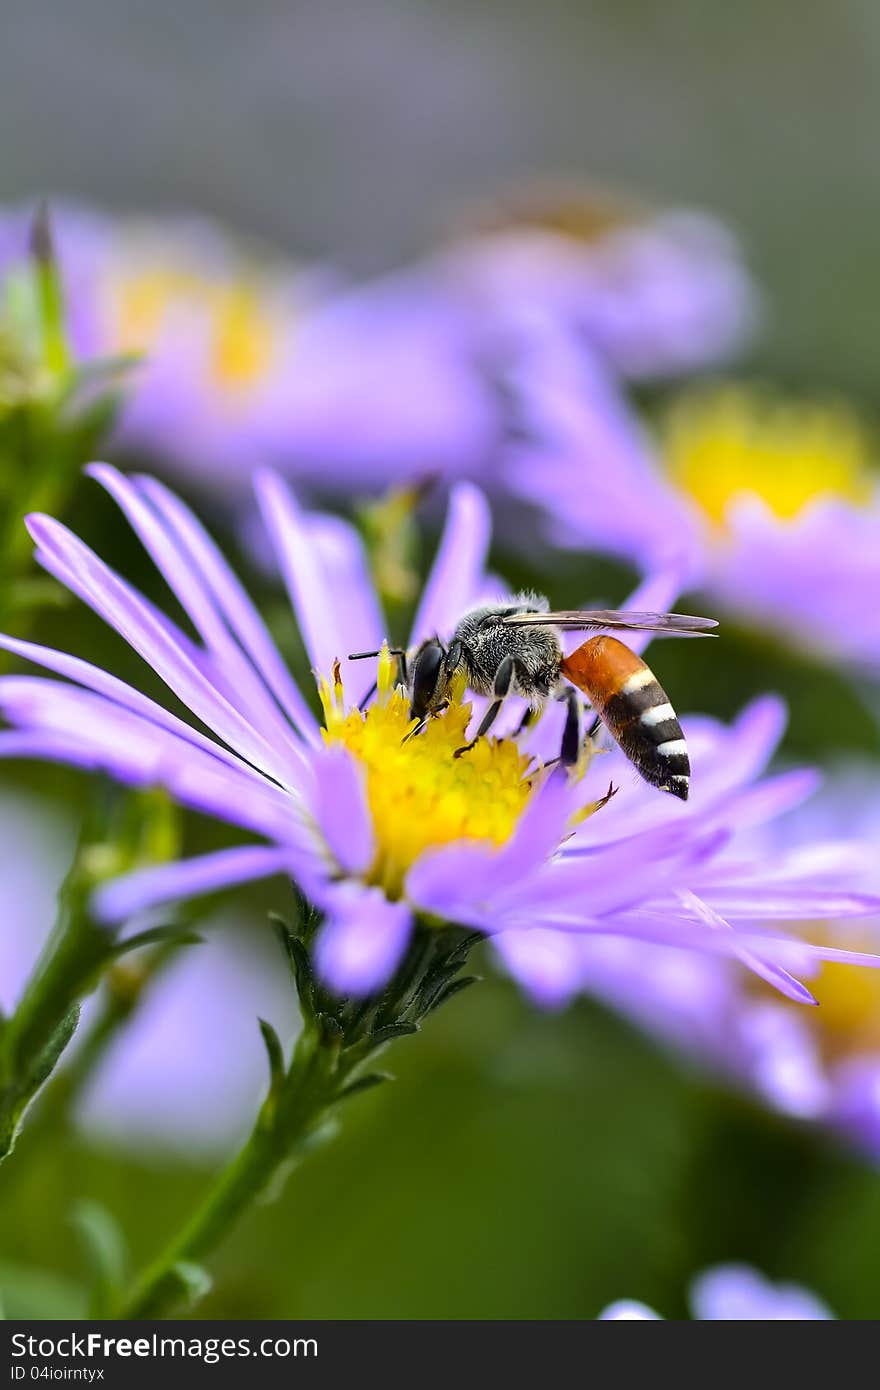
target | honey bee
[{"x": 515, "y": 648}]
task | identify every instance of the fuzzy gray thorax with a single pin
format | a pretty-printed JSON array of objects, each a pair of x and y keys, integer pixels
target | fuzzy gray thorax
[{"x": 485, "y": 642}]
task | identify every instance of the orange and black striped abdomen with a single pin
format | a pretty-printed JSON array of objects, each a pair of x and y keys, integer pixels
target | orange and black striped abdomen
[{"x": 632, "y": 705}]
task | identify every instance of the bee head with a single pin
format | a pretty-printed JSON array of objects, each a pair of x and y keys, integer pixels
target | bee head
[{"x": 428, "y": 679}]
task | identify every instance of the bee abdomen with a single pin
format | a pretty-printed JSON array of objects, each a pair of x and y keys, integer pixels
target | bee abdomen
[{"x": 634, "y": 707}]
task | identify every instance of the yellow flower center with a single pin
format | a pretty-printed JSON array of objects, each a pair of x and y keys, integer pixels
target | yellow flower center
[
  {"x": 420, "y": 795},
  {"x": 848, "y": 1017},
  {"x": 242, "y": 338},
  {"x": 721, "y": 445}
]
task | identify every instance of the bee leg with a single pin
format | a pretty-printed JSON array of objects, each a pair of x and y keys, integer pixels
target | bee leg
[
  {"x": 500, "y": 690},
  {"x": 570, "y": 748},
  {"x": 368, "y": 697},
  {"x": 528, "y": 718}
]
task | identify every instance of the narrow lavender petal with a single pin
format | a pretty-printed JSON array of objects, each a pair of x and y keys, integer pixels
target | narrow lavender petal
[
  {"x": 667, "y": 927},
  {"x": 768, "y": 903},
  {"x": 155, "y": 640},
  {"x": 87, "y": 730},
  {"x": 771, "y": 798},
  {"x": 93, "y": 678},
  {"x": 621, "y": 876},
  {"x": 318, "y": 596},
  {"x": 775, "y": 975},
  {"x": 187, "y": 878},
  {"x": 362, "y": 941},
  {"x": 457, "y": 577},
  {"x": 241, "y": 685},
  {"x": 455, "y": 878},
  {"x": 230, "y": 594},
  {"x": 546, "y": 963},
  {"x": 456, "y": 882},
  {"x": 342, "y": 811},
  {"x": 781, "y": 1058}
]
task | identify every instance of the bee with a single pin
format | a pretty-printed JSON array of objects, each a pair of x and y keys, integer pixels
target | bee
[{"x": 516, "y": 648}]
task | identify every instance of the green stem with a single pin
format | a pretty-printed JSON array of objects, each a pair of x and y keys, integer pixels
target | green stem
[
  {"x": 338, "y": 1037},
  {"x": 290, "y": 1115},
  {"x": 43, "y": 1023}
]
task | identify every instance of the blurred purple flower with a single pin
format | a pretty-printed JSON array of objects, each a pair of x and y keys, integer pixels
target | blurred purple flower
[
  {"x": 734, "y": 1293},
  {"x": 772, "y": 506},
  {"x": 249, "y": 362},
  {"x": 375, "y": 830},
  {"x": 36, "y": 844},
  {"x": 819, "y": 1065},
  {"x": 212, "y": 320}
]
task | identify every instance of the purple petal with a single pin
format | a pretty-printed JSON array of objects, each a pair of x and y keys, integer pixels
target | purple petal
[
  {"x": 234, "y": 601},
  {"x": 93, "y": 678},
  {"x": 775, "y": 975},
  {"x": 656, "y": 594},
  {"x": 342, "y": 811},
  {"x": 546, "y": 963},
  {"x": 457, "y": 577},
  {"x": 363, "y": 939},
  {"x": 62, "y": 722},
  {"x": 151, "y": 635},
  {"x": 325, "y": 570},
  {"x": 240, "y": 683},
  {"x": 772, "y": 798},
  {"x": 189, "y": 878}
]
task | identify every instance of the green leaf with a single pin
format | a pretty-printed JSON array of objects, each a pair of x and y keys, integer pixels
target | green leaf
[
  {"x": 48, "y": 1059},
  {"x": 300, "y": 965},
  {"x": 194, "y": 1279},
  {"x": 275, "y": 1054},
  {"x": 448, "y": 991},
  {"x": 364, "y": 1083},
  {"x": 106, "y": 1254},
  {"x": 159, "y": 936}
]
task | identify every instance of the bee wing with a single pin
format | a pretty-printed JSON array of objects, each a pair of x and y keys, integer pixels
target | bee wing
[{"x": 676, "y": 624}]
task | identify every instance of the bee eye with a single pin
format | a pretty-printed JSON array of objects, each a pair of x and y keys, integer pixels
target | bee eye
[{"x": 425, "y": 679}]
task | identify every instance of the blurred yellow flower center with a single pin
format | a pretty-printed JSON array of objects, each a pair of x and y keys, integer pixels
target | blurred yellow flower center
[
  {"x": 723, "y": 444},
  {"x": 240, "y": 335},
  {"x": 848, "y": 1017},
  {"x": 421, "y": 796}
]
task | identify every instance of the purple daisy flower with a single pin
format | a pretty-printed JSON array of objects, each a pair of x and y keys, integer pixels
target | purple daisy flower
[
  {"x": 772, "y": 504},
  {"x": 820, "y": 1065},
  {"x": 252, "y": 361},
  {"x": 655, "y": 293},
  {"x": 36, "y": 844},
  {"x": 734, "y": 1293},
  {"x": 377, "y": 830},
  {"x": 213, "y": 320}
]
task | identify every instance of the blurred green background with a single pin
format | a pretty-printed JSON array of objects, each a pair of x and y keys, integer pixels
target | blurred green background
[{"x": 522, "y": 1166}]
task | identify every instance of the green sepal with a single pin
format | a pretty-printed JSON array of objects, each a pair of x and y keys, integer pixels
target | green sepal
[
  {"x": 275, "y": 1053},
  {"x": 158, "y": 936},
  {"x": 450, "y": 989},
  {"x": 364, "y": 1083}
]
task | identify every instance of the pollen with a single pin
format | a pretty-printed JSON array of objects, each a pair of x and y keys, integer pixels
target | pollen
[
  {"x": 733, "y": 441},
  {"x": 421, "y": 796}
]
